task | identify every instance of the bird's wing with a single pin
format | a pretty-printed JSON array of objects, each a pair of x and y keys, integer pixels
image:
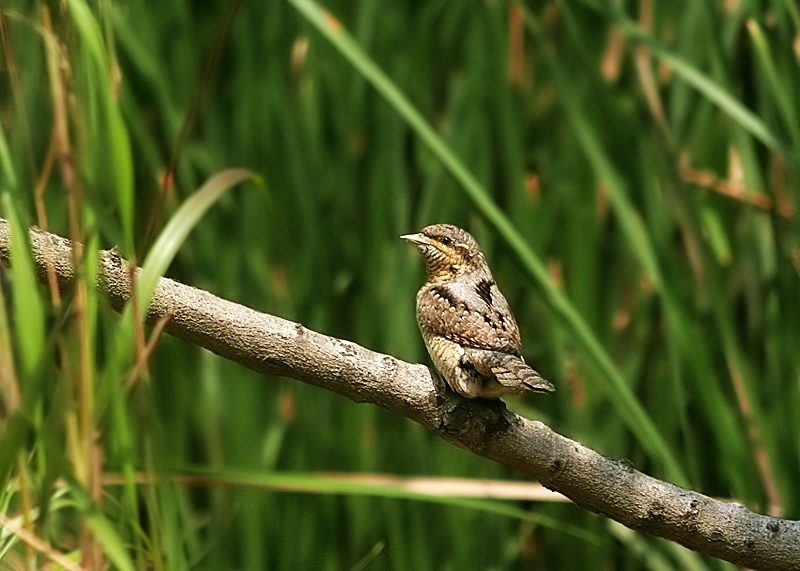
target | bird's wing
[{"x": 473, "y": 314}]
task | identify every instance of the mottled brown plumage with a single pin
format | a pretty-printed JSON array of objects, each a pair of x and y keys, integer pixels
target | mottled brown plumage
[{"x": 469, "y": 330}]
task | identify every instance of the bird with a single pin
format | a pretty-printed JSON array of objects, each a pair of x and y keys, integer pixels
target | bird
[{"x": 468, "y": 328}]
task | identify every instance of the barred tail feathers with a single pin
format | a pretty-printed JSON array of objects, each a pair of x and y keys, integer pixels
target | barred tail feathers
[{"x": 510, "y": 370}]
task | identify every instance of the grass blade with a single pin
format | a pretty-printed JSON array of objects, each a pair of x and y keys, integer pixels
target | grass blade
[{"x": 623, "y": 399}]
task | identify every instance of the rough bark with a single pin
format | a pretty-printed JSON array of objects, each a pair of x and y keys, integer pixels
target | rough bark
[{"x": 275, "y": 346}]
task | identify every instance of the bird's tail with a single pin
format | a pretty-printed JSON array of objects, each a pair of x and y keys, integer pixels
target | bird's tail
[{"x": 511, "y": 371}]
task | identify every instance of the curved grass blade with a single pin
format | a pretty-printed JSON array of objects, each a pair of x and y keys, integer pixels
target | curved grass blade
[
  {"x": 155, "y": 265},
  {"x": 778, "y": 88},
  {"x": 613, "y": 382},
  {"x": 713, "y": 91},
  {"x": 182, "y": 222}
]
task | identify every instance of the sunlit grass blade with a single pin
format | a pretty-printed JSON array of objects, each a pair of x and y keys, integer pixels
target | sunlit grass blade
[
  {"x": 29, "y": 312},
  {"x": 111, "y": 125},
  {"x": 177, "y": 229},
  {"x": 155, "y": 265},
  {"x": 112, "y": 544}
]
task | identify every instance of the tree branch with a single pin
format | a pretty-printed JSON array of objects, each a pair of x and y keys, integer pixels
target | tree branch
[{"x": 275, "y": 346}]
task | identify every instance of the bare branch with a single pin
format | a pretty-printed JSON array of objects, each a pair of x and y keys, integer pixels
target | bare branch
[{"x": 275, "y": 346}]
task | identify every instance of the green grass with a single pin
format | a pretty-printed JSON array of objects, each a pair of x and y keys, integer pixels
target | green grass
[{"x": 663, "y": 309}]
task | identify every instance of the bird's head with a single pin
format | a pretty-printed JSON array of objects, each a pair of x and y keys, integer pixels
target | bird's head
[{"x": 448, "y": 252}]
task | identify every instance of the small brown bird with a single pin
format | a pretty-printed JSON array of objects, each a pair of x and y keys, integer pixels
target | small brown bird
[{"x": 465, "y": 321}]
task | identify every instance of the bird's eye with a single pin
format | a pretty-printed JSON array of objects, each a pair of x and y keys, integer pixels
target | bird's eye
[{"x": 447, "y": 241}]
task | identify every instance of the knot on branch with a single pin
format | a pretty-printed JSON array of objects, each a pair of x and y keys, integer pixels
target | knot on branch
[{"x": 479, "y": 418}]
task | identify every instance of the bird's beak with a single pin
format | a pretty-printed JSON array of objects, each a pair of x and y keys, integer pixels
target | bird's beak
[{"x": 417, "y": 239}]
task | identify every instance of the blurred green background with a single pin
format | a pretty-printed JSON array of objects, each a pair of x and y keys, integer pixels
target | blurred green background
[{"x": 630, "y": 169}]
